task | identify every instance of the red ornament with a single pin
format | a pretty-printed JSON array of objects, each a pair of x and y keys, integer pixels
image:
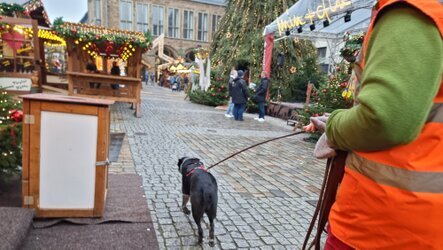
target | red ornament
[
  {"x": 324, "y": 90},
  {"x": 109, "y": 48},
  {"x": 16, "y": 115},
  {"x": 343, "y": 85}
]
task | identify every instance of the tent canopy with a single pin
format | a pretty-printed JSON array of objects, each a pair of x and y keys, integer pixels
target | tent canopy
[{"x": 307, "y": 12}]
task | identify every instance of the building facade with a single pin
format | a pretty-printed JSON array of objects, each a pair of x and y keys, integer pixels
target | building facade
[{"x": 186, "y": 24}]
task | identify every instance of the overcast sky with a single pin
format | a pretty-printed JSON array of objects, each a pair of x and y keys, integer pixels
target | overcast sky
[{"x": 70, "y": 10}]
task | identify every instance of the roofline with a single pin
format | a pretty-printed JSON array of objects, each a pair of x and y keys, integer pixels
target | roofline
[{"x": 216, "y": 4}]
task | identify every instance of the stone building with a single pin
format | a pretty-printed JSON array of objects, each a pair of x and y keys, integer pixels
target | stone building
[{"x": 186, "y": 24}]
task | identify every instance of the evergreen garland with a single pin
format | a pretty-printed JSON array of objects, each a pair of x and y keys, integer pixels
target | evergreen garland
[
  {"x": 7, "y": 9},
  {"x": 101, "y": 35}
]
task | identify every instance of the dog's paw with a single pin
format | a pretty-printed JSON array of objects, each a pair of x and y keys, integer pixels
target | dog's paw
[
  {"x": 211, "y": 243},
  {"x": 186, "y": 210}
]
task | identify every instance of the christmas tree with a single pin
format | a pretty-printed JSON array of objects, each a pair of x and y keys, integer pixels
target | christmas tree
[
  {"x": 338, "y": 91},
  {"x": 239, "y": 43},
  {"x": 10, "y": 134}
]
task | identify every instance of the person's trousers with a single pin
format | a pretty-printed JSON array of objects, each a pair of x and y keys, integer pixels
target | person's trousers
[
  {"x": 229, "y": 111},
  {"x": 261, "y": 110},
  {"x": 239, "y": 109}
]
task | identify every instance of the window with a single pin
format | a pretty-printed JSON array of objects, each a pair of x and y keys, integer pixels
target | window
[
  {"x": 142, "y": 17},
  {"x": 215, "y": 22},
  {"x": 188, "y": 25},
  {"x": 126, "y": 15},
  {"x": 202, "y": 33},
  {"x": 98, "y": 12},
  {"x": 321, "y": 52},
  {"x": 173, "y": 16},
  {"x": 158, "y": 21},
  {"x": 324, "y": 68}
]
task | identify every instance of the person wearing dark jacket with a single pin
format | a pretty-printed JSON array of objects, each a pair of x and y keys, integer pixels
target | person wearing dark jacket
[
  {"x": 260, "y": 96},
  {"x": 240, "y": 94},
  {"x": 115, "y": 71}
]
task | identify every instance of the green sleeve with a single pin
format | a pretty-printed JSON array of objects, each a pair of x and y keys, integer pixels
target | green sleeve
[{"x": 402, "y": 74}]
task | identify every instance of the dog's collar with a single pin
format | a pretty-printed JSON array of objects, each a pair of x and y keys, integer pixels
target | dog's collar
[{"x": 193, "y": 170}]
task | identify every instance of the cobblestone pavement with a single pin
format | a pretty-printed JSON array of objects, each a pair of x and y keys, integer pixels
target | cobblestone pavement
[
  {"x": 264, "y": 193},
  {"x": 124, "y": 164}
]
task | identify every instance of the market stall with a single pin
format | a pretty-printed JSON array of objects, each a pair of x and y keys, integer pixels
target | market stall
[
  {"x": 104, "y": 63},
  {"x": 19, "y": 54},
  {"x": 31, "y": 52}
]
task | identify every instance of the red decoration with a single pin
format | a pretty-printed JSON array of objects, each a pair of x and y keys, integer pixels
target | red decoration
[
  {"x": 109, "y": 48},
  {"x": 14, "y": 40},
  {"x": 16, "y": 115}
]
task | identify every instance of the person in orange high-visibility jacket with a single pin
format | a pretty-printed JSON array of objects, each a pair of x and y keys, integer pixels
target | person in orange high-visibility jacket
[{"x": 391, "y": 196}]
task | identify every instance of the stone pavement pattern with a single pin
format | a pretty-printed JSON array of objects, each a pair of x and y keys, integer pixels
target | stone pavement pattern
[{"x": 263, "y": 193}]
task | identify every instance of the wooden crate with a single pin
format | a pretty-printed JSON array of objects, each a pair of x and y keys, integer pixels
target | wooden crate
[{"x": 65, "y": 155}]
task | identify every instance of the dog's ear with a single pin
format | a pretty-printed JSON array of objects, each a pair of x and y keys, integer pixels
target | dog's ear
[{"x": 180, "y": 162}]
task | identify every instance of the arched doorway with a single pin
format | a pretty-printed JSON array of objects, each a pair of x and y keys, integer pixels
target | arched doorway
[
  {"x": 190, "y": 55},
  {"x": 169, "y": 51}
]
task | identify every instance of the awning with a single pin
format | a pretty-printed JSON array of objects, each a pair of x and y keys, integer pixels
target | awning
[{"x": 305, "y": 13}]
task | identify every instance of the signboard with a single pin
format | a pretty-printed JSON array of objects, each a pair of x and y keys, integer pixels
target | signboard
[
  {"x": 323, "y": 11},
  {"x": 15, "y": 84}
]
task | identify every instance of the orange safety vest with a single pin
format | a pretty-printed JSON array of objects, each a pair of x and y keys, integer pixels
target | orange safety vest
[{"x": 393, "y": 199}]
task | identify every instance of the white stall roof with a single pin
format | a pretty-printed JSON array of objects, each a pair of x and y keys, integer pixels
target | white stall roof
[{"x": 360, "y": 11}]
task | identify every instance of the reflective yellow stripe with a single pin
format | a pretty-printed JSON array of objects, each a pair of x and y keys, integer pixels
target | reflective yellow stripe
[
  {"x": 436, "y": 114},
  {"x": 424, "y": 182}
]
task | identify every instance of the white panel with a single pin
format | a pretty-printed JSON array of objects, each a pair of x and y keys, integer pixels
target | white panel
[{"x": 67, "y": 160}]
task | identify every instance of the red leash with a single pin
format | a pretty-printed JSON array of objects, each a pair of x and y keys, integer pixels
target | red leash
[{"x": 255, "y": 145}]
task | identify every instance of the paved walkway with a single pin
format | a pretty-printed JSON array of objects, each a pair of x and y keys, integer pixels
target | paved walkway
[{"x": 264, "y": 193}]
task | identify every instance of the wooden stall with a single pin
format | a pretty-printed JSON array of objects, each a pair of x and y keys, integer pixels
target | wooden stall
[
  {"x": 65, "y": 155},
  {"x": 104, "y": 63},
  {"x": 19, "y": 54}
]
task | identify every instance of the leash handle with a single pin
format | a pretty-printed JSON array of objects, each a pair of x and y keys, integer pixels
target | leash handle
[{"x": 255, "y": 145}]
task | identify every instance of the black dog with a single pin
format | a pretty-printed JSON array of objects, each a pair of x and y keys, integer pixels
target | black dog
[{"x": 199, "y": 185}]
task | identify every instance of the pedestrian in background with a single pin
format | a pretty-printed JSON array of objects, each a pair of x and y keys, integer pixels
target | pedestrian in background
[
  {"x": 391, "y": 195},
  {"x": 229, "y": 111},
  {"x": 161, "y": 80},
  {"x": 185, "y": 83},
  {"x": 146, "y": 77},
  {"x": 240, "y": 94},
  {"x": 260, "y": 96},
  {"x": 178, "y": 80},
  {"x": 153, "y": 78},
  {"x": 115, "y": 71}
]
